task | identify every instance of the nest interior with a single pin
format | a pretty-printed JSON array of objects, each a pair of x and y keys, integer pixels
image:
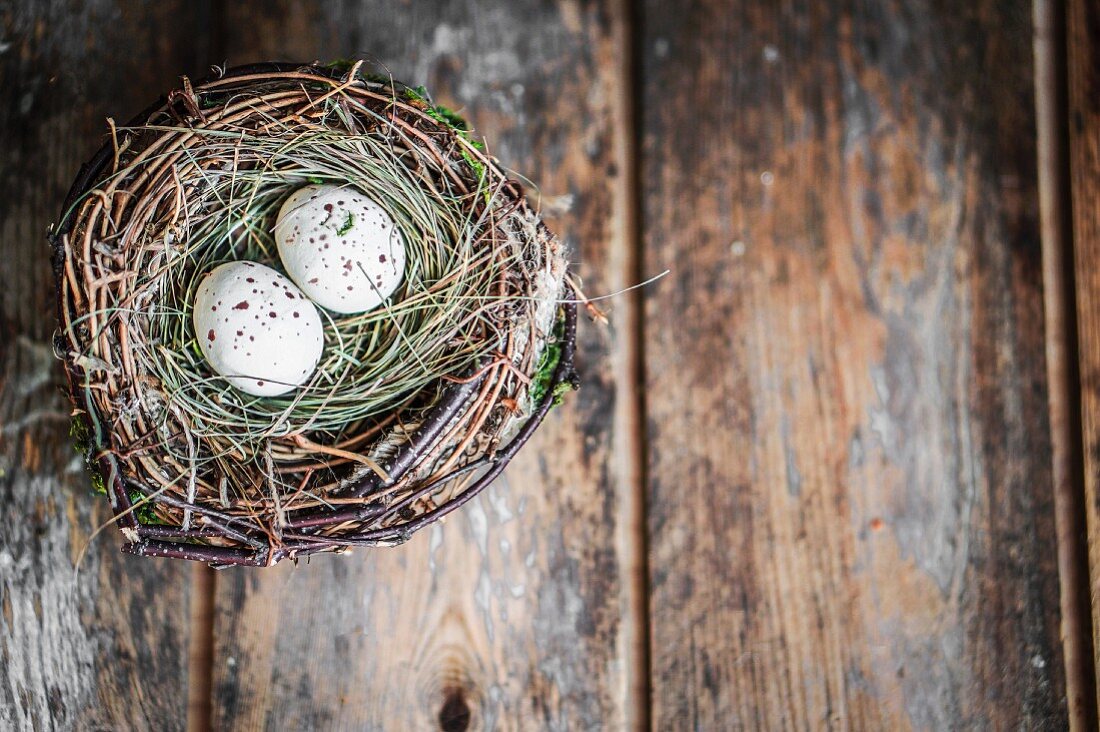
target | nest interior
[{"x": 415, "y": 406}]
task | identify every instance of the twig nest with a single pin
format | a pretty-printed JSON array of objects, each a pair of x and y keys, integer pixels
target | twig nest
[
  {"x": 343, "y": 249},
  {"x": 257, "y": 329},
  {"x": 430, "y": 330}
]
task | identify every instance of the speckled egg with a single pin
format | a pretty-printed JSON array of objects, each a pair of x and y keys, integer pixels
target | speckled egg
[
  {"x": 340, "y": 247},
  {"x": 257, "y": 329}
]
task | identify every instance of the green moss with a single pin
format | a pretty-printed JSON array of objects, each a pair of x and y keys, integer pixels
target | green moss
[
  {"x": 450, "y": 117},
  {"x": 98, "y": 484},
  {"x": 442, "y": 114},
  {"x": 560, "y": 391},
  {"x": 143, "y": 512},
  {"x": 548, "y": 364},
  {"x": 457, "y": 123},
  {"x": 83, "y": 443},
  {"x": 81, "y": 435},
  {"x": 347, "y": 225},
  {"x": 340, "y": 64},
  {"x": 475, "y": 164},
  {"x": 417, "y": 94}
]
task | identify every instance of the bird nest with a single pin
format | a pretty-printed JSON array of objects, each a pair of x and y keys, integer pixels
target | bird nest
[{"x": 415, "y": 406}]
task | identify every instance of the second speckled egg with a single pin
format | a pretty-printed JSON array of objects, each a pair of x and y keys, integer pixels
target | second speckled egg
[{"x": 340, "y": 247}]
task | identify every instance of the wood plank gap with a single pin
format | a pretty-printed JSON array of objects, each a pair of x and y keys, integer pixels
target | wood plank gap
[
  {"x": 628, "y": 119},
  {"x": 1064, "y": 386},
  {"x": 209, "y": 24},
  {"x": 201, "y": 657}
]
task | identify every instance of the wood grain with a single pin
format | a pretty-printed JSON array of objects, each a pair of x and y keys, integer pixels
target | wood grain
[
  {"x": 1083, "y": 24},
  {"x": 517, "y": 613},
  {"x": 849, "y": 481},
  {"x": 107, "y": 648},
  {"x": 1063, "y": 381},
  {"x": 848, "y": 455}
]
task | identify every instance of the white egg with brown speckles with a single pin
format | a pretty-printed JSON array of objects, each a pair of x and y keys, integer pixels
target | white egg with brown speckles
[
  {"x": 340, "y": 247},
  {"x": 257, "y": 329}
]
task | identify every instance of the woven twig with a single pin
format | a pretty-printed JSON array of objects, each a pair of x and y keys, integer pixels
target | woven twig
[{"x": 178, "y": 493}]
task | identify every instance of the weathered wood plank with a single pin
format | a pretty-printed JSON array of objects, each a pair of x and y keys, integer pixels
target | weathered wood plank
[
  {"x": 1083, "y": 32},
  {"x": 849, "y": 460},
  {"x": 517, "y": 613},
  {"x": 1063, "y": 382},
  {"x": 105, "y": 649}
]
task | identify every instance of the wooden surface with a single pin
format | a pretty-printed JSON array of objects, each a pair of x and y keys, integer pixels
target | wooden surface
[
  {"x": 105, "y": 648},
  {"x": 1063, "y": 376},
  {"x": 1083, "y": 35},
  {"x": 849, "y": 466},
  {"x": 808, "y": 483},
  {"x": 514, "y": 613}
]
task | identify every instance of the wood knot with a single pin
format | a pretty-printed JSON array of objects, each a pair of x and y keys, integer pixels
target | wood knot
[{"x": 454, "y": 715}]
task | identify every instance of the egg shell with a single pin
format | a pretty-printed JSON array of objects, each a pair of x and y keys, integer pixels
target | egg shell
[
  {"x": 340, "y": 247},
  {"x": 257, "y": 329}
]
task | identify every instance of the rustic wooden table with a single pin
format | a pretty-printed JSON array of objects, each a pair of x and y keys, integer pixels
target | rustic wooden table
[{"x": 835, "y": 471}]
